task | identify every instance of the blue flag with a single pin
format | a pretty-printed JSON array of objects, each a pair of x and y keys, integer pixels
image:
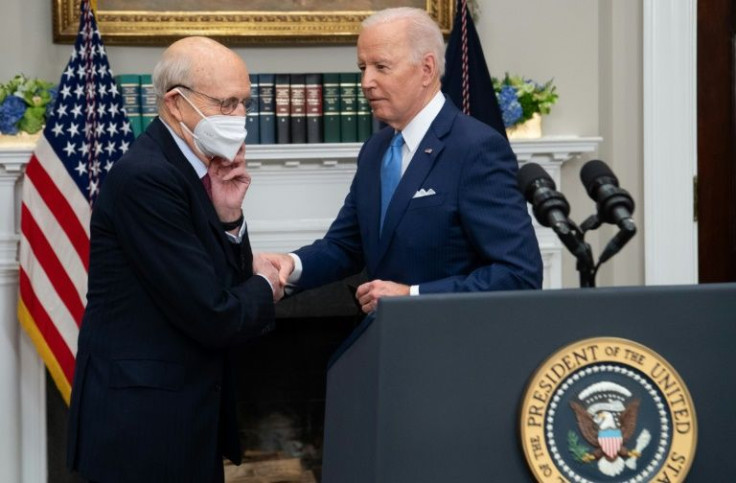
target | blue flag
[{"x": 467, "y": 80}]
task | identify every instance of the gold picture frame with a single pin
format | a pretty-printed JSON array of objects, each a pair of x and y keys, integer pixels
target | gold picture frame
[{"x": 274, "y": 22}]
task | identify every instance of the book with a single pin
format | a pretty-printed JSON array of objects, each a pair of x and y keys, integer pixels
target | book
[
  {"x": 314, "y": 108},
  {"x": 129, "y": 86},
  {"x": 267, "y": 109},
  {"x": 364, "y": 117},
  {"x": 252, "y": 119},
  {"x": 149, "y": 107},
  {"x": 283, "y": 112},
  {"x": 298, "y": 108},
  {"x": 331, "y": 107},
  {"x": 348, "y": 107}
]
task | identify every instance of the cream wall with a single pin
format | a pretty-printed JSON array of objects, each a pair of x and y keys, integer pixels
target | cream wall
[{"x": 591, "y": 48}]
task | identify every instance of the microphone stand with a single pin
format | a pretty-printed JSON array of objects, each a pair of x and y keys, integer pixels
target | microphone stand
[
  {"x": 574, "y": 240},
  {"x": 585, "y": 266}
]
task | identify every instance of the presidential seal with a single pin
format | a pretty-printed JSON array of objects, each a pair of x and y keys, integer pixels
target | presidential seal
[{"x": 608, "y": 409}]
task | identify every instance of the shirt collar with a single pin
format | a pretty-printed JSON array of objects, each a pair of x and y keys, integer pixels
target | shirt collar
[
  {"x": 196, "y": 163},
  {"x": 414, "y": 132}
]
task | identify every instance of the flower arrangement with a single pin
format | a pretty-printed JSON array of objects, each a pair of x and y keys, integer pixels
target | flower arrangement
[
  {"x": 25, "y": 104},
  {"x": 520, "y": 98}
]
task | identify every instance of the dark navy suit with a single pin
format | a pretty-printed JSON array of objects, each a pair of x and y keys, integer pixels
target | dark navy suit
[
  {"x": 168, "y": 296},
  {"x": 473, "y": 234}
]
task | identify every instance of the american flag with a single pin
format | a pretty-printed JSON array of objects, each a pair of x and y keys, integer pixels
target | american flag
[{"x": 84, "y": 135}]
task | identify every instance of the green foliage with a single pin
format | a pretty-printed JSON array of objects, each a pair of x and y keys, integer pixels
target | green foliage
[
  {"x": 578, "y": 450},
  {"x": 531, "y": 96},
  {"x": 25, "y": 104}
]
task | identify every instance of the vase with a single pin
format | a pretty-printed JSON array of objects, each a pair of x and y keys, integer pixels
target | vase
[
  {"x": 530, "y": 129},
  {"x": 20, "y": 140}
]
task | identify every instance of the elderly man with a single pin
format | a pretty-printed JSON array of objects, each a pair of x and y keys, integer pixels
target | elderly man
[
  {"x": 172, "y": 285},
  {"x": 434, "y": 205}
]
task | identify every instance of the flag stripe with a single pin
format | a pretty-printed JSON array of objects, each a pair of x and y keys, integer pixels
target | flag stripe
[
  {"x": 56, "y": 169},
  {"x": 61, "y": 209},
  {"x": 49, "y": 299},
  {"x": 50, "y": 264},
  {"x": 47, "y": 355},
  {"x": 67, "y": 254},
  {"x": 41, "y": 319}
]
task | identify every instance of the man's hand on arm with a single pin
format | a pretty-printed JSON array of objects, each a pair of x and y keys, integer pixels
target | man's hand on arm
[{"x": 369, "y": 293}]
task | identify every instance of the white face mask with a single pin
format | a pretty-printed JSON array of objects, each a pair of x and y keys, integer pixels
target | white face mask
[{"x": 220, "y": 135}]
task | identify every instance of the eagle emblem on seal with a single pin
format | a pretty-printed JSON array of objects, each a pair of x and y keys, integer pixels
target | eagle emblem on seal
[{"x": 606, "y": 415}]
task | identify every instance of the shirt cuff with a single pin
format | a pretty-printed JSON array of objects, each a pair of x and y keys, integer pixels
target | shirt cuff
[
  {"x": 414, "y": 290},
  {"x": 296, "y": 274},
  {"x": 237, "y": 239}
]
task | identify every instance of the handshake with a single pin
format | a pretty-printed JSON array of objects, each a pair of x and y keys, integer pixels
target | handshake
[{"x": 277, "y": 268}]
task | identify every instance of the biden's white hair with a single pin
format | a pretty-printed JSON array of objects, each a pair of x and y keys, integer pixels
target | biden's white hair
[{"x": 424, "y": 33}]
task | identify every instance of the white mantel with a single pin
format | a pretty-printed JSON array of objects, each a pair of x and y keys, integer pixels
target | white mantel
[{"x": 295, "y": 194}]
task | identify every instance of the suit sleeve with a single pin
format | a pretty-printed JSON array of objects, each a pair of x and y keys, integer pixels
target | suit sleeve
[
  {"x": 494, "y": 217},
  {"x": 339, "y": 253},
  {"x": 153, "y": 221}
]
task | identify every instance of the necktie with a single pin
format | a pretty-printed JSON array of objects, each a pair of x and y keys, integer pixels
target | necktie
[
  {"x": 390, "y": 172},
  {"x": 207, "y": 182}
]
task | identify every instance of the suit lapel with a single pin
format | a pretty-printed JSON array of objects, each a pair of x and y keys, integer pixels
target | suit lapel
[
  {"x": 424, "y": 159},
  {"x": 162, "y": 136}
]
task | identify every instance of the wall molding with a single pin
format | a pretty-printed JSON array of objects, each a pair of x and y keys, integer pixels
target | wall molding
[{"x": 670, "y": 141}]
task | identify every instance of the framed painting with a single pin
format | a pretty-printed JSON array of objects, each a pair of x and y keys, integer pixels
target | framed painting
[{"x": 234, "y": 22}]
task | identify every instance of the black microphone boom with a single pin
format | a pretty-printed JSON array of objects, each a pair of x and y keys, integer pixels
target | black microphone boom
[
  {"x": 614, "y": 204},
  {"x": 551, "y": 209}
]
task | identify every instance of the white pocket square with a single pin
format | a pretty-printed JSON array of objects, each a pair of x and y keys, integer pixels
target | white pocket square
[{"x": 422, "y": 193}]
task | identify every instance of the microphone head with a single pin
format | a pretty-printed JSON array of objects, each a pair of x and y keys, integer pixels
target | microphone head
[
  {"x": 528, "y": 178},
  {"x": 595, "y": 173}
]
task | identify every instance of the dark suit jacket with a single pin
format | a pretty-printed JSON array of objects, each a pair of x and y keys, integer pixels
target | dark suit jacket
[
  {"x": 473, "y": 234},
  {"x": 168, "y": 297}
]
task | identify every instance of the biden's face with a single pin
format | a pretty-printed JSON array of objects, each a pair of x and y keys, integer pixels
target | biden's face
[{"x": 392, "y": 80}]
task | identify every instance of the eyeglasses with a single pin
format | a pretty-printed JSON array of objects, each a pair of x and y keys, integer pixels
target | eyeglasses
[{"x": 227, "y": 106}]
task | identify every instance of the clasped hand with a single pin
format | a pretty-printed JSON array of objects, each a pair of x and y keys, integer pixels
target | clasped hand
[{"x": 367, "y": 294}]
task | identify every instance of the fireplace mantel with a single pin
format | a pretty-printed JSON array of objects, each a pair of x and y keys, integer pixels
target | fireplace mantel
[{"x": 296, "y": 192}]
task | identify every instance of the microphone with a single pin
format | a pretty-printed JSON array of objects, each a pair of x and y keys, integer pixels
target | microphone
[
  {"x": 549, "y": 206},
  {"x": 551, "y": 209},
  {"x": 614, "y": 204}
]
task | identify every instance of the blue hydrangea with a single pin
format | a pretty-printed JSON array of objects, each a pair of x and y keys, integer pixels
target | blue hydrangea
[
  {"x": 11, "y": 111},
  {"x": 511, "y": 110}
]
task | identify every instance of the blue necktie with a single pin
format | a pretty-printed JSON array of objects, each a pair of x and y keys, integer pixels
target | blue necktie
[{"x": 390, "y": 172}]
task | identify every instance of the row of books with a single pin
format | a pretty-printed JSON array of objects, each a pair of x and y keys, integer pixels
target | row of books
[{"x": 286, "y": 108}]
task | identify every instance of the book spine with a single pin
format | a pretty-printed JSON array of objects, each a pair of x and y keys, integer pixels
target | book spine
[
  {"x": 331, "y": 107},
  {"x": 283, "y": 112},
  {"x": 149, "y": 109},
  {"x": 297, "y": 98},
  {"x": 129, "y": 86},
  {"x": 252, "y": 121},
  {"x": 365, "y": 118},
  {"x": 267, "y": 109},
  {"x": 314, "y": 108},
  {"x": 348, "y": 108}
]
